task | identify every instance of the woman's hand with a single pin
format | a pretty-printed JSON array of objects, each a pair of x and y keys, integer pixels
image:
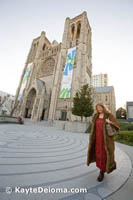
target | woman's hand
[{"x": 108, "y": 121}]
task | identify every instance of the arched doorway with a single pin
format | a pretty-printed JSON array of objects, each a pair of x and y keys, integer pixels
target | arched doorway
[
  {"x": 43, "y": 114},
  {"x": 29, "y": 103}
]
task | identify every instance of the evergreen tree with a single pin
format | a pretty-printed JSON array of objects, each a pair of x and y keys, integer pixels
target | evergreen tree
[{"x": 83, "y": 103}]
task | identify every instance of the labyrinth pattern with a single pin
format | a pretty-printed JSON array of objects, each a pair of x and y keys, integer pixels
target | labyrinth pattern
[{"x": 36, "y": 155}]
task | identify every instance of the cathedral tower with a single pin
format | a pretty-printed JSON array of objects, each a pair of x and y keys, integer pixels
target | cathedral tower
[
  {"x": 77, "y": 37},
  {"x": 54, "y": 72}
]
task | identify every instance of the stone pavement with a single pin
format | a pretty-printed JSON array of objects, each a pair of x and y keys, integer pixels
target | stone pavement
[
  {"x": 37, "y": 156},
  {"x": 126, "y": 191}
]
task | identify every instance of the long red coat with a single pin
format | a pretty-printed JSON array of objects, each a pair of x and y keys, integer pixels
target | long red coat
[
  {"x": 108, "y": 142},
  {"x": 99, "y": 146}
]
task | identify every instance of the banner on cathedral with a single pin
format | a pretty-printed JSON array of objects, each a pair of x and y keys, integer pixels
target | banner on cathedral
[
  {"x": 67, "y": 75},
  {"x": 24, "y": 81}
]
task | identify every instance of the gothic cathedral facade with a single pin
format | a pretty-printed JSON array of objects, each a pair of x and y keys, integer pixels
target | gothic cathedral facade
[{"x": 39, "y": 92}]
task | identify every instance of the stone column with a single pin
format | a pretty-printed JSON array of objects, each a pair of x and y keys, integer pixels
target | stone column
[
  {"x": 39, "y": 50},
  {"x": 65, "y": 40},
  {"x": 36, "y": 103},
  {"x": 55, "y": 89},
  {"x": 58, "y": 73},
  {"x": 22, "y": 111},
  {"x": 40, "y": 106},
  {"x": 75, "y": 32}
]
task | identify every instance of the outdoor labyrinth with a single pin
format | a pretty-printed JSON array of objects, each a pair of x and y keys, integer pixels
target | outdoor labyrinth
[{"x": 39, "y": 156}]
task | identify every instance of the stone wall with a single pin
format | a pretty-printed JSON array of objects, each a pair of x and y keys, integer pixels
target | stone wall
[{"x": 77, "y": 127}]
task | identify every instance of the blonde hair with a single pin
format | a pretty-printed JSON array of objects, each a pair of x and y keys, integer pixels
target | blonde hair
[{"x": 105, "y": 108}]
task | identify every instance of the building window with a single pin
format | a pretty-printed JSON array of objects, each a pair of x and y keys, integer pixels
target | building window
[
  {"x": 78, "y": 31},
  {"x": 44, "y": 47},
  {"x": 72, "y": 32},
  {"x": 106, "y": 98}
]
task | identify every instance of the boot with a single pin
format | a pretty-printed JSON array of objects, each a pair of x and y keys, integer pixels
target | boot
[{"x": 101, "y": 176}]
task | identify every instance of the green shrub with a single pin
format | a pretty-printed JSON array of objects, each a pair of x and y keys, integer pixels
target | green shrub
[
  {"x": 126, "y": 126},
  {"x": 130, "y": 127},
  {"x": 125, "y": 137},
  {"x": 126, "y": 133}
]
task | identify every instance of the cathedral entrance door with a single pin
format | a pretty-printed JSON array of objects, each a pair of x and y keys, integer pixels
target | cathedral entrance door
[
  {"x": 30, "y": 103},
  {"x": 43, "y": 113},
  {"x": 26, "y": 112},
  {"x": 63, "y": 115}
]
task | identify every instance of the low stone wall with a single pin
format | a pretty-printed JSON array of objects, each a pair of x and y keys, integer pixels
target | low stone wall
[
  {"x": 9, "y": 119},
  {"x": 79, "y": 127}
]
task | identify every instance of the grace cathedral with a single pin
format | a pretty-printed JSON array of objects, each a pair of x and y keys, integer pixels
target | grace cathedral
[{"x": 54, "y": 71}]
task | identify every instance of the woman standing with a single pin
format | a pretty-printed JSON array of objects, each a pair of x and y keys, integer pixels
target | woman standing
[{"x": 101, "y": 146}]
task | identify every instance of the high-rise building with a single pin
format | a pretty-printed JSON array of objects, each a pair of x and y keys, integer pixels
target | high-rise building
[
  {"x": 105, "y": 95},
  {"x": 100, "y": 80}
]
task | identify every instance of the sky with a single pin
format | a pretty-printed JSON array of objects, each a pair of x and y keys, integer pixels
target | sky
[{"x": 111, "y": 22}]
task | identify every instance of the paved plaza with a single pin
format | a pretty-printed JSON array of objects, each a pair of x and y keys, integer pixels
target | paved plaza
[{"x": 38, "y": 156}]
